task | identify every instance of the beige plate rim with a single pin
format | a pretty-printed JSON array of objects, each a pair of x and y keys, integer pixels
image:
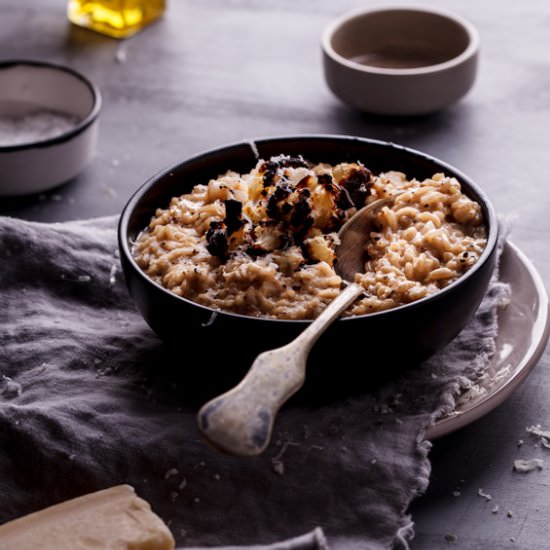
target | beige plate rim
[{"x": 524, "y": 329}]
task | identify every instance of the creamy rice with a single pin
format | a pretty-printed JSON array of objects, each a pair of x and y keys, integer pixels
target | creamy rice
[{"x": 262, "y": 243}]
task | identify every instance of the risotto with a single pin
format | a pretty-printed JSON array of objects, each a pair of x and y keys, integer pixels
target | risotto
[{"x": 263, "y": 243}]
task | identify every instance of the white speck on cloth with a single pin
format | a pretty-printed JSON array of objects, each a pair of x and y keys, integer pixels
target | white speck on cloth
[
  {"x": 9, "y": 388},
  {"x": 170, "y": 473}
]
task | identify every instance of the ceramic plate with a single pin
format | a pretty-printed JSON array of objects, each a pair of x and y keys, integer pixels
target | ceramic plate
[{"x": 522, "y": 336}]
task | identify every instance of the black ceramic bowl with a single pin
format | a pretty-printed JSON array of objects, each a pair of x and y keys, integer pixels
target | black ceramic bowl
[{"x": 355, "y": 352}]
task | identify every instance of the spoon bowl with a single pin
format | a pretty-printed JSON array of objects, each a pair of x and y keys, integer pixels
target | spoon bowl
[{"x": 353, "y": 235}]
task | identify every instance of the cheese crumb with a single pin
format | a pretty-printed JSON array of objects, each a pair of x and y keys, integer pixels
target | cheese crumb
[
  {"x": 525, "y": 466},
  {"x": 543, "y": 435},
  {"x": 483, "y": 494}
]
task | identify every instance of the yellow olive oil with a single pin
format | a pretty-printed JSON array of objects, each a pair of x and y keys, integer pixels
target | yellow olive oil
[{"x": 117, "y": 18}]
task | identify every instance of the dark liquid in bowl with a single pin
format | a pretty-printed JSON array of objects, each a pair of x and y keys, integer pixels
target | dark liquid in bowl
[{"x": 400, "y": 58}]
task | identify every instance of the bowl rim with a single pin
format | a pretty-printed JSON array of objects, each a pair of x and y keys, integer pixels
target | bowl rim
[
  {"x": 127, "y": 212},
  {"x": 78, "y": 128},
  {"x": 470, "y": 51}
]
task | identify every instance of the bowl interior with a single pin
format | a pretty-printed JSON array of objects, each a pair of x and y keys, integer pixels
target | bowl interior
[
  {"x": 26, "y": 87},
  {"x": 377, "y": 156},
  {"x": 400, "y": 38}
]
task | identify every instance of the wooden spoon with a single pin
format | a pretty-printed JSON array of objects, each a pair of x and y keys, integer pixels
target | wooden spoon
[{"x": 240, "y": 421}]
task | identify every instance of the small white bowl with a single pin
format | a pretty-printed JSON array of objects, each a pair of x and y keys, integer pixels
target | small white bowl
[
  {"x": 400, "y": 60},
  {"x": 48, "y": 125}
]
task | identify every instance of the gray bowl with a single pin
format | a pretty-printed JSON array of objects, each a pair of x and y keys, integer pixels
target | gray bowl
[
  {"x": 31, "y": 92},
  {"x": 400, "y": 61}
]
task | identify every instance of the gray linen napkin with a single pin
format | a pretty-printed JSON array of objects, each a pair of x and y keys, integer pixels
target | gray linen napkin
[{"x": 85, "y": 404}]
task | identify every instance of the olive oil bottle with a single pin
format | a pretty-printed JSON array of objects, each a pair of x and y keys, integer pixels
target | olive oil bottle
[{"x": 117, "y": 18}]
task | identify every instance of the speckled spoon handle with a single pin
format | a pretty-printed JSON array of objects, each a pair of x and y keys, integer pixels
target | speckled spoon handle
[{"x": 240, "y": 421}]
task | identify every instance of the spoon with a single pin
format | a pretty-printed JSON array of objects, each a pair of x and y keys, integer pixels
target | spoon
[{"x": 240, "y": 421}]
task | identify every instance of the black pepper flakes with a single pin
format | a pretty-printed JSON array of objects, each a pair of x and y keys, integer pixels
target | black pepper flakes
[
  {"x": 301, "y": 213},
  {"x": 233, "y": 213},
  {"x": 280, "y": 194},
  {"x": 326, "y": 181},
  {"x": 356, "y": 188},
  {"x": 216, "y": 238}
]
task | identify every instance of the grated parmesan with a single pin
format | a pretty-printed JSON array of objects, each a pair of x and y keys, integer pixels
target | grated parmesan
[{"x": 525, "y": 466}]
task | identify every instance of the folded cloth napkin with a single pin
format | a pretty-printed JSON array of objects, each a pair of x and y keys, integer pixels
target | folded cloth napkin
[{"x": 84, "y": 405}]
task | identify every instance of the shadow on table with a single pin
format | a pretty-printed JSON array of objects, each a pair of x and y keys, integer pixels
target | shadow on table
[
  {"x": 194, "y": 378},
  {"x": 435, "y": 132}
]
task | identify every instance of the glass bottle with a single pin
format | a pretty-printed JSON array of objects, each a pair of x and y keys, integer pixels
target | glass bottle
[{"x": 117, "y": 18}]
